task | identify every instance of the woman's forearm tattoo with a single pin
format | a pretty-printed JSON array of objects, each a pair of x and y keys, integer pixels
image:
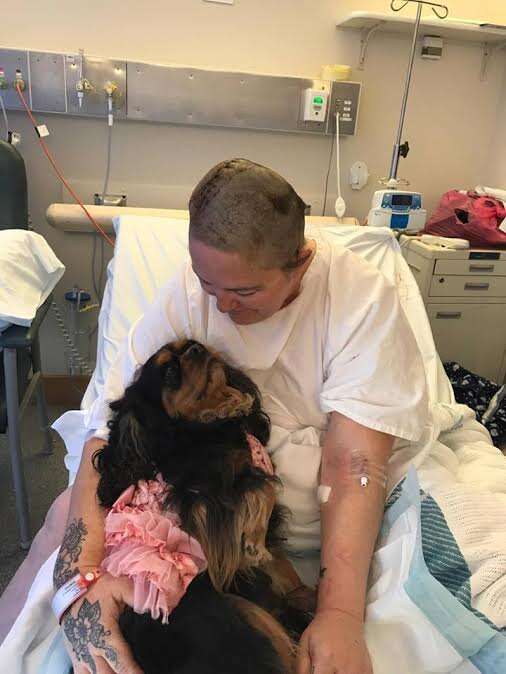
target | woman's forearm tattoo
[
  {"x": 85, "y": 631},
  {"x": 70, "y": 551}
]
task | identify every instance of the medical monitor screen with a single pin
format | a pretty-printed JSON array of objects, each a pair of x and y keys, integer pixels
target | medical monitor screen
[{"x": 402, "y": 199}]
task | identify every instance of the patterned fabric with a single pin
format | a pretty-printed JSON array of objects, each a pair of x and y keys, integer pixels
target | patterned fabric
[
  {"x": 443, "y": 556},
  {"x": 441, "y": 552},
  {"x": 477, "y": 392},
  {"x": 259, "y": 455}
]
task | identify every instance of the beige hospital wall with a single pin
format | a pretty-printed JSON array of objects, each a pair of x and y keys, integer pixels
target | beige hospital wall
[
  {"x": 495, "y": 165},
  {"x": 451, "y": 115}
]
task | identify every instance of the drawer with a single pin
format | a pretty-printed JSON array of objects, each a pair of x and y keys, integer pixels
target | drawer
[
  {"x": 467, "y": 286},
  {"x": 474, "y": 335},
  {"x": 461, "y": 267}
]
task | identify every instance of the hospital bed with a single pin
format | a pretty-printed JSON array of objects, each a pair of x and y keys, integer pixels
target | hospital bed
[{"x": 416, "y": 619}]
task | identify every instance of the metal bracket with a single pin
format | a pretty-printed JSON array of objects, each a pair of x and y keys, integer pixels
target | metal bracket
[
  {"x": 487, "y": 52},
  {"x": 366, "y": 35}
]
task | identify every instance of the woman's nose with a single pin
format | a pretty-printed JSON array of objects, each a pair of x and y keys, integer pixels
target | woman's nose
[{"x": 226, "y": 303}]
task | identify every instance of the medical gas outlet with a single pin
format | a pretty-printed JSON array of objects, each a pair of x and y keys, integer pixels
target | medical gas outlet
[
  {"x": 19, "y": 82},
  {"x": 315, "y": 105}
]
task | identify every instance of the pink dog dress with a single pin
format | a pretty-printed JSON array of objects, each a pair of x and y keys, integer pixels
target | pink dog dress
[{"x": 144, "y": 541}]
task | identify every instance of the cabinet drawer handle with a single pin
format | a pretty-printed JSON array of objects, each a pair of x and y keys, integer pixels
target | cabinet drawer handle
[
  {"x": 449, "y": 314},
  {"x": 481, "y": 267},
  {"x": 476, "y": 286}
]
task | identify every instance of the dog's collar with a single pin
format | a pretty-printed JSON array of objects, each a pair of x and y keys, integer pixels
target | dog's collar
[
  {"x": 259, "y": 455},
  {"x": 259, "y": 458}
]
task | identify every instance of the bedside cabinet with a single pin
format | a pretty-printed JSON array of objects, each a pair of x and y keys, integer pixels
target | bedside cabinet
[{"x": 464, "y": 292}]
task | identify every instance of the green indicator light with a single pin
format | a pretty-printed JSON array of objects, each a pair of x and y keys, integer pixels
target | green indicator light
[{"x": 318, "y": 100}]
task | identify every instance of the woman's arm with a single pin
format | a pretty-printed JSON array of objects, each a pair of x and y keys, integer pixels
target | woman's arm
[
  {"x": 83, "y": 544},
  {"x": 90, "y": 625},
  {"x": 350, "y": 522},
  {"x": 351, "y": 517}
]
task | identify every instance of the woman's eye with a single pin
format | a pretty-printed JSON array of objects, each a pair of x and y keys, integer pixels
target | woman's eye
[{"x": 245, "y": 293}]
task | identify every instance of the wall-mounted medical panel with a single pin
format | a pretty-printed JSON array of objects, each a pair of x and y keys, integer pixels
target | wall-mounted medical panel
[
  {"x": 12, "y": 60},
  {"x": 211, "y": 98},
  {"x": 98, "y": 71},
  {"x": 174, "y": 94},
  {"x": 47, "y": 82},
  {"x": 345, "y": 98}
]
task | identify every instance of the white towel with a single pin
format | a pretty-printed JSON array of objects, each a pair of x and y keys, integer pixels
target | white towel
[{"x": 29, "y": 271}]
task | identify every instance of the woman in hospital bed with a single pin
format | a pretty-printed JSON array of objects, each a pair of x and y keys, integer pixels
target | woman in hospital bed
[{"x": 323, "y": 335}]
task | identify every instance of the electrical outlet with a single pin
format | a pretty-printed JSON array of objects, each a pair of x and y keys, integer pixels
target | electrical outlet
[{"x": 315, "y": 105}]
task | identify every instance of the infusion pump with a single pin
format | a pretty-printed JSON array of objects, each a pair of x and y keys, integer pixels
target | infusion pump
[{"x": 396, "y": 209}]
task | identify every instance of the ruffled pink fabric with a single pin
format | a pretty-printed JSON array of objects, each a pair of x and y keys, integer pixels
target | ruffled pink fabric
[{"x": 146, "y": 543}]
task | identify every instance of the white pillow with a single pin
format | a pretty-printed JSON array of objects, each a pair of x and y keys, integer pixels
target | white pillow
[{"x": 29, "y": 271}]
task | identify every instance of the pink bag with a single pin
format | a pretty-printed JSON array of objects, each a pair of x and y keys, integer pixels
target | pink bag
[{"x": 469, "y": 216}]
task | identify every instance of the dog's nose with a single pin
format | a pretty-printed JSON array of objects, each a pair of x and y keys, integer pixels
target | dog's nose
[{"x": 195, "y": 349}]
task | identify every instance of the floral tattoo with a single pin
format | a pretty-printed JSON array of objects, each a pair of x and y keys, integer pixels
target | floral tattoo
[
  {"x": 86, "y": 630},
  {"x": 70, "y": 551}
]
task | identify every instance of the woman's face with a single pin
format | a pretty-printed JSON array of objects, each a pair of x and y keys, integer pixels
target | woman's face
[{"x": 246, "y": 293}]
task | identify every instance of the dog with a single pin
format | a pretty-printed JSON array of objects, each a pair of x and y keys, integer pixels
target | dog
[{"x": 195, "y": 424}]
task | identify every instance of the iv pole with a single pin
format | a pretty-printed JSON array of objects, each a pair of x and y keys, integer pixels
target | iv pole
[{"x": 403, "y": 149}]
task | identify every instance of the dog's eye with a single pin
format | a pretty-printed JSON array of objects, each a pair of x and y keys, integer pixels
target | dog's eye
[{"x": 172, "y": 376}]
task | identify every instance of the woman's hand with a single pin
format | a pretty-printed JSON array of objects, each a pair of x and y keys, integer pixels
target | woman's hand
[
  {"x": 334, "y": 643},
  {"x": 92, "y": 635}
]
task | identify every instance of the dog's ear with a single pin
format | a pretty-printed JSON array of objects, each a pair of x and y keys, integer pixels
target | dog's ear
[
  {"x": 253, "y": 521},
  {"x": 131, "y": 438},
  {"x": 125, "y": 459},
  {"x": 233, "y": 538},
  {"x": 217, "y": 529}
]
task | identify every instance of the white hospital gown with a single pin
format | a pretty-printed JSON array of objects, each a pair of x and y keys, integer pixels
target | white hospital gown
[{"x": 342, "y": 345}]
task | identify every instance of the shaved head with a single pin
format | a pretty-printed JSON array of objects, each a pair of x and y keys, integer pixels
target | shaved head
[{"x": 242, "y": 207}]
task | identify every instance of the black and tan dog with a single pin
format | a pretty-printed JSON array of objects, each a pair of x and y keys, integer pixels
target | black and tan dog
[{"x": 188, "y": 416}]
